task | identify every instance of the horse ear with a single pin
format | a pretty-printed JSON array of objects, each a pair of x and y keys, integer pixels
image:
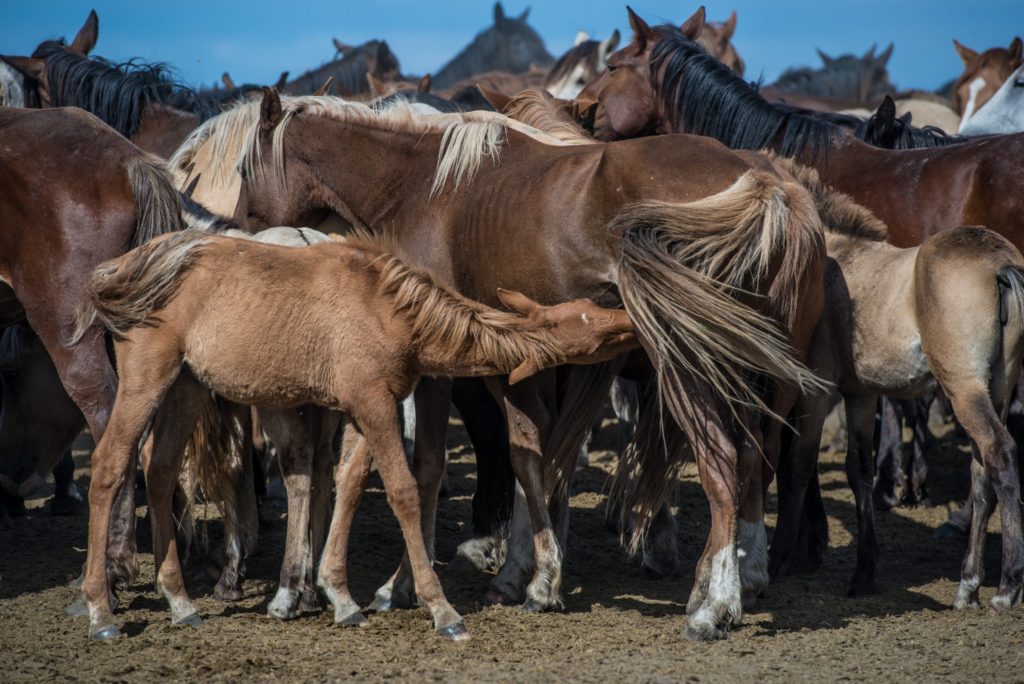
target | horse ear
[
  {"x": 692, "y": 27},
  {"x": 499, "y": 13},
  {"x": 885, "y": 117},
  {"x": 966, "y": 53},
  {"x": 517, "y": 301},
  {"x": 581, "y": 37},
  {"x": 343, "y": 48},
  {"x": 325, "y": 88},
  {"x": 641, "y": 31},
  {"x": 883, "y": 58},
  {"x": 610, "y": 43},
  {"x": 498, "y": 101},
  {"x": 87, "y": 36},
  {"x": 825, "y": 59},
  {"x": 870, "y": 54},
  {"x": 525, "y": 14},
  {"x": 281, "y": 81},
  {"x": 729, "y": 27},
  {"x": 424, "y": 84},
  {"x": 377, "y": 86},
  {"x": 522, "y": 371},
  {"x": 27, "y": 66},
  {"x": 1016, "y": 49},
  {"x": 270, "y": 110},
  {"x": 226, "y": 80}
]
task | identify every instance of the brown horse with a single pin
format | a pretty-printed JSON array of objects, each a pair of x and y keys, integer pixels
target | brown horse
[
  {"x": 496, "y": 230},
  {"x": 60, "y": 215},
  {"x": 716, "y": 38},
  {"x": 579, "y": 65},
  {"x": 140, "y": 101},
  {"x": 663, "y": 82},
  {"x": 904, "y": 322},
  {"x": 984, "y": 73},
  {"x": 192, "y": 312}
]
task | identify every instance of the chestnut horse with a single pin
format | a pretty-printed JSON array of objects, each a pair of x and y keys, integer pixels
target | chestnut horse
[
  {"x": 486, "y": 202},
  {"x": 193, "y": 313},
  {"x": 140, "y": 101},
  {"x": 60, "y": 215},
  {"x": 664, "y": 83},
  {"x": 983, "y": 74}
]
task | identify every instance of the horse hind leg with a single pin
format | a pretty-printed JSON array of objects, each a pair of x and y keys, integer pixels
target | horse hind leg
[
  {"x": 240, "y": 514},
  {"x": 378, "y": 422},
  {"x": 172, "y": 426},
  {"x": 860, "y": 416}
]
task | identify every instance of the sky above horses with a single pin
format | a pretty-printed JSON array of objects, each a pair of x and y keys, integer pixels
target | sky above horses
[{"x": 255, "y": 40}]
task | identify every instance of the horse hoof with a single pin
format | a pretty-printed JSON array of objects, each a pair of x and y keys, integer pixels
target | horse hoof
[
  {"x": 77, "y": 609},
  {"x": 380, "y": 605},
  {"x": 948, "y": 530},
  {"x": 106, "y": 634},
  {"x": 356, "y": 619},
  {"x": 192, "y": 620},
  {"x": 229, "y": 594},
  {"x": 77, "y": 582},
  {"x": 455, "y": 632},
  {"x": 703, "y": 636},
  {"x": 1005, "y": 602},
  {"x": 862, "y": 587}
]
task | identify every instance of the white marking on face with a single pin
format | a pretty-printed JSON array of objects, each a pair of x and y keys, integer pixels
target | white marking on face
[
  {"x": 583, "y": 317},
  {"x": 972, "y": 101}
]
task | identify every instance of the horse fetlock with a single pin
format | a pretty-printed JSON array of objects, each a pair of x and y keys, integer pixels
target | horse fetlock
[
  {"x": 283, "y": 605},
  {"x": 967, "y": 594},
  {"x": 1007, "y": 598},
  {"x": 752, "y": 553}
]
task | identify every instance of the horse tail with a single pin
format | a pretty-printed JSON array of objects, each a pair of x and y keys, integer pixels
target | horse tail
[
  {"x": 682, "y": 270},
  {"x": 217, "y": 461},
  {"x": 157, "y": 201},
  {"x": 1011, "y": 310},
  {"x": 123, "y": 292}
]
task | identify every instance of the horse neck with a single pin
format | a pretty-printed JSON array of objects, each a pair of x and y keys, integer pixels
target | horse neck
[{"x": 395, "y": 180}]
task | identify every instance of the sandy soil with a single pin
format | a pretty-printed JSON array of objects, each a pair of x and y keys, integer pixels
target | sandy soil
[{"x": 618, "y": 625}]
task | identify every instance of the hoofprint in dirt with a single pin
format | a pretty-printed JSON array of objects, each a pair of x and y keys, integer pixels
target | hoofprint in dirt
[{"x": 618, "y": 624}]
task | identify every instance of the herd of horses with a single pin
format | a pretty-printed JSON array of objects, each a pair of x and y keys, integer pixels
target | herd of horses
[{"x": 248, "y": 282}]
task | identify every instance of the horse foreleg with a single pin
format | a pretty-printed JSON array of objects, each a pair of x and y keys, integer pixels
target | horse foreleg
[
  {"x": 286, "y": 431},
  {"x": 754, "y": 468},
  {"x": 350, "y": 482}
]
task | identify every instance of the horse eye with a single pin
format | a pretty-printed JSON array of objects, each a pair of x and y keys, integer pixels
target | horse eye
[{"x": 243, "y": 172}]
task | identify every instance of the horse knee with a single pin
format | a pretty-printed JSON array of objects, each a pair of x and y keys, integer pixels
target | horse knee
[{"x": 404, "y": 498}]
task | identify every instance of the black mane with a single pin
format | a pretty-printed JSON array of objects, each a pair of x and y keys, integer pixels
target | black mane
[
  {"x": 903, "y": 136},
  {"x": 116, "y": 93},
  {"x": 702, "y": 96}
]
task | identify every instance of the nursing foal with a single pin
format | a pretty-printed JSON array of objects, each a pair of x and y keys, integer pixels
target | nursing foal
[{"x": 343, "y": 326}]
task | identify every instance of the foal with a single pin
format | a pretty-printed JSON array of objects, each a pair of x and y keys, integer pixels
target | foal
[
  {"x": 904, "y": 322},
  {"x": 342, "y": 326}
]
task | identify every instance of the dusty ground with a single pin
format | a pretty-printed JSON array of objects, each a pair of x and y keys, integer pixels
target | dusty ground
[{"x": 617, "y": 625}]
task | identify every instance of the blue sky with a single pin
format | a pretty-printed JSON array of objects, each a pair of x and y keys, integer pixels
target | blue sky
[{"x": 255, "y": 40}]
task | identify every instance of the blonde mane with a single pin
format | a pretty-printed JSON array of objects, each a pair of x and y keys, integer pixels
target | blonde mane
[
  {"x": 544, "y": 111},
  {"x": 227, "y": 143}
]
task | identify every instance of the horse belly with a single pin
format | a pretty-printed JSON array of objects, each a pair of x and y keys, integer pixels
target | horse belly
[{"x": 902, "y": 372}]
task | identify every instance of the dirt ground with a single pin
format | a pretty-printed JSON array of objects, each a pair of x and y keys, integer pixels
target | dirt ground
[{"x": 617, "y": 625}]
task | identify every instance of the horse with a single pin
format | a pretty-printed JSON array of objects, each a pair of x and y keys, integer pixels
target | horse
[
  {"x": 1003, "y": 113},
  {"x": 13, "y": 92},
  {"x": 38, "y": 422},
  {"x": 845, "y": 78},
  {"x": 436, "y": 222},
  {"x": 510, "y": 45},
  {"x": 664, "y": 82},
  {"x": 716, "y": 38},
  {"x": 581, "y": 64},
  {"x": 349, "y": 72},
  {"x": 140, "y": 101},
  {"x": 983, "y": 73},
  {"x": 925, "y": 113},
  {"x": 192, "y": 312},
  {"x": 61, "y": 215}
]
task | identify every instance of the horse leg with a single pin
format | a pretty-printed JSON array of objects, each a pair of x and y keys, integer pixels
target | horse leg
[
  {"x": 993, "y": 471},
  {"x": 754, "y": 472},
  {"x": 172, "y": 426},
  {"x": 241, "y": 523},
  {"x": 495, "y": 487},
  {"x": 350, "y": 482},
  {"x": 295, "y": 451},
  {"x": 890, "y": 453},
  {"x": 715, "y": 603},
  {"x": 916, "y": 470},
  {"x": 378, "y": 422},
  {"x": 139, "y": 394},
  {"x": 433, "y": 401},
  {"x": 860, "y": 419},
  {"x": 528, "y": 420},
  {"x": 327, "y": 425}
]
